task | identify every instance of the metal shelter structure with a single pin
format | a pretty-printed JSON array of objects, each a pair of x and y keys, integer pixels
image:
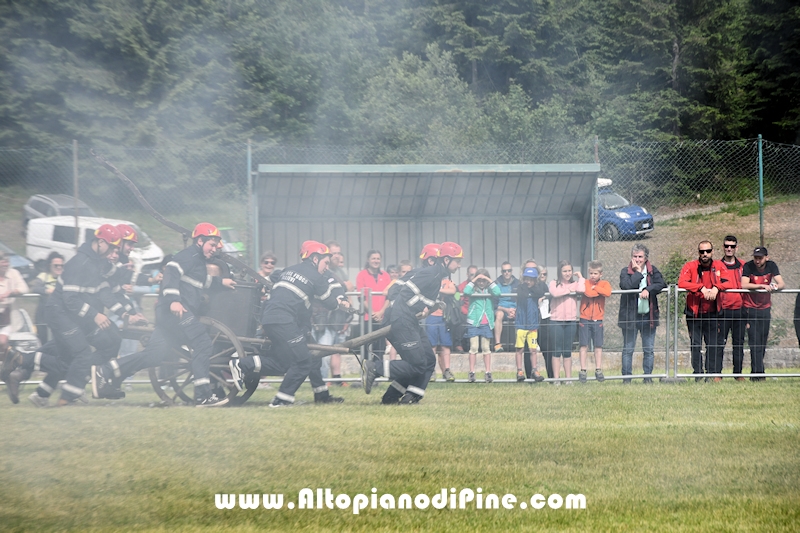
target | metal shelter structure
[{"x": 496, "y": 212}]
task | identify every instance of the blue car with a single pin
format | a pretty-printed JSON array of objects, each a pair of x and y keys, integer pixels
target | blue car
[{"x": 617, "y": 218}]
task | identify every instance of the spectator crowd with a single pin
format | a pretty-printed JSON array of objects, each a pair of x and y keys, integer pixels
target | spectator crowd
[{"x": 542, "y": 318}]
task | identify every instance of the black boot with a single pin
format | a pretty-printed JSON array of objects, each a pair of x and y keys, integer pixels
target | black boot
[
  {"x": 103, "y": 387},
  {"x": 393, "y": 394},
  {"x": 325, "y": 397},
  {"x": 409, "y": 398}
]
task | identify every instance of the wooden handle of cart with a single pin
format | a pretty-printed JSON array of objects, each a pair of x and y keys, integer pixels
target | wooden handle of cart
[{"x": 320, "y": 349}]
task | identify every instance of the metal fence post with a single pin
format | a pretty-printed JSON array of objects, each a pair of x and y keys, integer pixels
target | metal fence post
[
  {"x": 666, "y": 333},
  {"x": 368, "y": 319},
  {"x": 593, "y": 232},
  {"x": 75, "y": 191},
  {"x": 676, "y": 314},
  {"x": 250, "y": 202},
  {"x": 761, "y": 189}
]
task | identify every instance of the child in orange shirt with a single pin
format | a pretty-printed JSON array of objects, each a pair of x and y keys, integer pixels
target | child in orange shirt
[{"x": 593, "y": 306}]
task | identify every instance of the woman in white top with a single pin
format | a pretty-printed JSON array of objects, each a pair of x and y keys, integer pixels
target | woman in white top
[{"x": 11, "y": 285}]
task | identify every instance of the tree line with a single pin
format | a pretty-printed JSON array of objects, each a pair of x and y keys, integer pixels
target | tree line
[{"x": 396, "y": 73}]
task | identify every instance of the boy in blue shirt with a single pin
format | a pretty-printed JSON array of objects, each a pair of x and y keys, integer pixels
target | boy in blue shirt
[{"x": 529, "y": 293}]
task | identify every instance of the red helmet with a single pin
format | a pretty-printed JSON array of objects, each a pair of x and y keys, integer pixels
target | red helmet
[
  {"x": 205, "y": 229},
  {"x": 108, "y": 233},
  {"x": 313, "y": 247},
  {"x": 127, "y": 233},
  {"x": 451, "y": 249},
  {"x": 429, "y": 250}
]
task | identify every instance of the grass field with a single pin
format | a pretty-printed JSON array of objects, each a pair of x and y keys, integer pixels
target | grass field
[{"x": 692, "y": 457}]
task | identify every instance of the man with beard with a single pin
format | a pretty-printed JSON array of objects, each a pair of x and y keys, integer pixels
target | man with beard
[
  {"x": 760, "y": 273},
  {"x": 701, "y": 279}
]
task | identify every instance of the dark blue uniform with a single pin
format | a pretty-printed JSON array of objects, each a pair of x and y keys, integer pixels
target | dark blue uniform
[
  {"x": 186, "y": 280},
  {"x": 122, "y": 275},
  {"x": 409, "y": 296},
  {"x": 82, "y": 292},
  {"x": 286, "y": 319}
]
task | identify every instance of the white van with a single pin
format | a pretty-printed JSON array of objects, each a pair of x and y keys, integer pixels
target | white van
[{"x": 57, "y": 234}]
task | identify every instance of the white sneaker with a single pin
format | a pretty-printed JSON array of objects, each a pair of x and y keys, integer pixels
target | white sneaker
[
  {"x": 38, "y": 401},
  {"x": 211, "y": 401},
  {"x": 236, "y": 374}
]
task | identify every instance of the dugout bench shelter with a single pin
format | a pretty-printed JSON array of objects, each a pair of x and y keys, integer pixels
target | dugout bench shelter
[{"x": 496, "y": 212}]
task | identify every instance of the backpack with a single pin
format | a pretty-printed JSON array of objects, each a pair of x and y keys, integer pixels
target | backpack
[{"x": 453, "y": 318}]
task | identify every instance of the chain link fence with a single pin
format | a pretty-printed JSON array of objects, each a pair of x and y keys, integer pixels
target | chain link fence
[
  {"x": 180, "y": 178},
  {"x": 694, "y": 189}
]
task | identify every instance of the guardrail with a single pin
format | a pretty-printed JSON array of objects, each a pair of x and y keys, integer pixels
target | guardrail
[{"x": 676, "y": 346}]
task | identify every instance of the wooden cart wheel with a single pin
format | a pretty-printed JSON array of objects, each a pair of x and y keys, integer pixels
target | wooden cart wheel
[
  {"x": 171, "y": 379},
  {"x": 250, "y": 387},
  {"x": 177, "y": 375}
]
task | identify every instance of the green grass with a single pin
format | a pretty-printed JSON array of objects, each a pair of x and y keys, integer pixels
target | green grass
[
  {"x": 744, "y": 209},
  {"x": 740, "y": 209},
  {"x": 692, "y": 457}
]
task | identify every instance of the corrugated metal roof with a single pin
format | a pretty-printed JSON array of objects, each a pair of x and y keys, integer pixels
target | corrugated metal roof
[{"x": 294, "y": 192}]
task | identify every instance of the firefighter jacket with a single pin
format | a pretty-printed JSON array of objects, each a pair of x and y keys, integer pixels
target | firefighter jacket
[
  {"x": 186, "y": 279},
  {"x": 419, "y": 288},
  {"x": 730, "y": 278},
  {"x": 693, "y": 278},
  {"x": 118, "y": 276},
  {"x": 128, "y": 276},
  {"x": 297, "y": 287},
  {"x": 82, "y": 289}
]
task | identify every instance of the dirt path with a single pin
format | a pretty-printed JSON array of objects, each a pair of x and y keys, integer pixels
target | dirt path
[{"x": 781, "y": 224}]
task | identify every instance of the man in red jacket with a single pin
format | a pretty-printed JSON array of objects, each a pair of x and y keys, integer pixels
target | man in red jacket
[
  {"x": 701, "y": 279},
  {"x": 731, "y": 315}
]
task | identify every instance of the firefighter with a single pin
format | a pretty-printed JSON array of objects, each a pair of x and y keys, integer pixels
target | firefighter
[
  {"x": 417, "y": 293},
  {"x": 127, "y": 275},
  {"x": 75, "y": 311},
  {"x": 286, "y": 320},
  {"x": 180, "y": 302},
  {"x": 20, "y": 365},
  {"x": 121, "y": 277},
  {"x": 49, "y": 359}
]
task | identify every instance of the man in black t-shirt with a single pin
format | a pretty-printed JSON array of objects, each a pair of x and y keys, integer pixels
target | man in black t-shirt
[{"x": 760, "y": 273}]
